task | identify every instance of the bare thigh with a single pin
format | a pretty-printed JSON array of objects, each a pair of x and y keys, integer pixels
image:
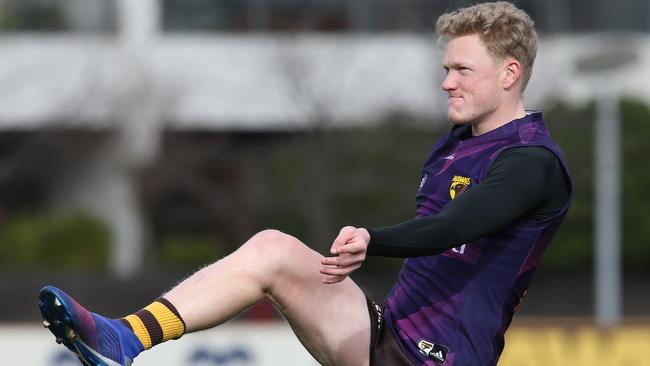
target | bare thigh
[{"x": 332, "y": 320}]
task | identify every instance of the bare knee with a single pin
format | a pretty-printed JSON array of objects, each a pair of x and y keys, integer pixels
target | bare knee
[
  {"x": 273, "y": 245},
  {"x": 273, "y": 250},
  {"x": 271, "y": 235}
]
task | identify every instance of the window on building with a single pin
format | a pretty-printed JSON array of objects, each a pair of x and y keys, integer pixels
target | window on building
[
  {"x": 205, "y": 15},
  {"x": 82, "y": 16},
  {"x": 297, "y": 15},
  {"x": 309, "y": 15},
  {"x": 385, "y": 15}
]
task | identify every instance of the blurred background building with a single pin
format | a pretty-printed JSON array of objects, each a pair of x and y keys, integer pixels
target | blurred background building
[{"x": 142, "y": 139}]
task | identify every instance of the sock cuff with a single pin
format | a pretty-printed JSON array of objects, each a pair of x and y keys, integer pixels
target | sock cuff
[
  {"x": 163, "y": 323},
  {"x": 160, "y": 321},
  {"x": 173, "y": 309}
]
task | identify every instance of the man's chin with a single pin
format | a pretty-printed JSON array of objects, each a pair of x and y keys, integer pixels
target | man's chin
[{"x": 457, "y": 120}]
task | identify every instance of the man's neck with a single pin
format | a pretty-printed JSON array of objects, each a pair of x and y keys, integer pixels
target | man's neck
[{"x": 500, "y": 117}]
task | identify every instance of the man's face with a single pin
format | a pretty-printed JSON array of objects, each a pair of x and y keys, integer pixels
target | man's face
[{"x": 472, "y": 81}]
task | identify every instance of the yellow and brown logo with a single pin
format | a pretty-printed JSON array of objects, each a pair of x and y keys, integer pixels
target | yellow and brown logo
[{"x": 458, "y": 185}]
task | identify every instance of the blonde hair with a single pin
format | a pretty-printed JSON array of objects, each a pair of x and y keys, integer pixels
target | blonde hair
[{"x": 504, "y": 29}]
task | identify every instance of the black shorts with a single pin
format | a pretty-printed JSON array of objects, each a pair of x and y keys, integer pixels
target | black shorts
[{"x": 384, "y": 349}]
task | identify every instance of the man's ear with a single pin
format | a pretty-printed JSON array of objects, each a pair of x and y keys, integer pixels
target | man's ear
[{"x": 512, "y": 73}]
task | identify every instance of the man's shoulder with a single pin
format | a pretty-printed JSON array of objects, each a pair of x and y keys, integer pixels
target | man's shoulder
[{"x": 523, "y": 158}]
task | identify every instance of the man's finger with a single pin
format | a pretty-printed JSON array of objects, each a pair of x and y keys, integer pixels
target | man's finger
[
  {"x": 338, "y": 271},
  {"x": 350, "y": 248},
  {"x": 344, "y": 235},
  {"x": 329, "y": 280},
  {"x": 342, "y": 260},
  {"x": 330, "y": 261}
]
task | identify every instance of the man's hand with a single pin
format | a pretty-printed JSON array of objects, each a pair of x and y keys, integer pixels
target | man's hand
[{"x": 348, "y": 253}]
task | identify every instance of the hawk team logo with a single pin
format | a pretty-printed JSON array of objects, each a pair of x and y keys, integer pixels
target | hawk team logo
[
  {"x": 436, "y": 352},
  {"x": 425, "y": 346},
  {"x": 458, "y": 185}
]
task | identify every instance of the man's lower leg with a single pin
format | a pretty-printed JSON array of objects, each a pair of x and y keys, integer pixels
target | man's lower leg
[{"x": 209, "y": 297}]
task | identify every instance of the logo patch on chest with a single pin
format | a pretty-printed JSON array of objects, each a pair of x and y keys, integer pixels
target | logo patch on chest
[
  {"x": 436, "y": 352},
  {"x": 458, "y": 185}
]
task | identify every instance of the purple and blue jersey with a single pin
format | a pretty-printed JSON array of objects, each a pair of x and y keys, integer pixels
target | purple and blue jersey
[{"x": 453, "y": 309}]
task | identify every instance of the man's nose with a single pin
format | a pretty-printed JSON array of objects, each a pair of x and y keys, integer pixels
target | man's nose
[{"x": 449, "y": 82}]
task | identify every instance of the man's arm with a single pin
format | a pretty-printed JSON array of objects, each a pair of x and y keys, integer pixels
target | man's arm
[{"x": 523, "y": 182}]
